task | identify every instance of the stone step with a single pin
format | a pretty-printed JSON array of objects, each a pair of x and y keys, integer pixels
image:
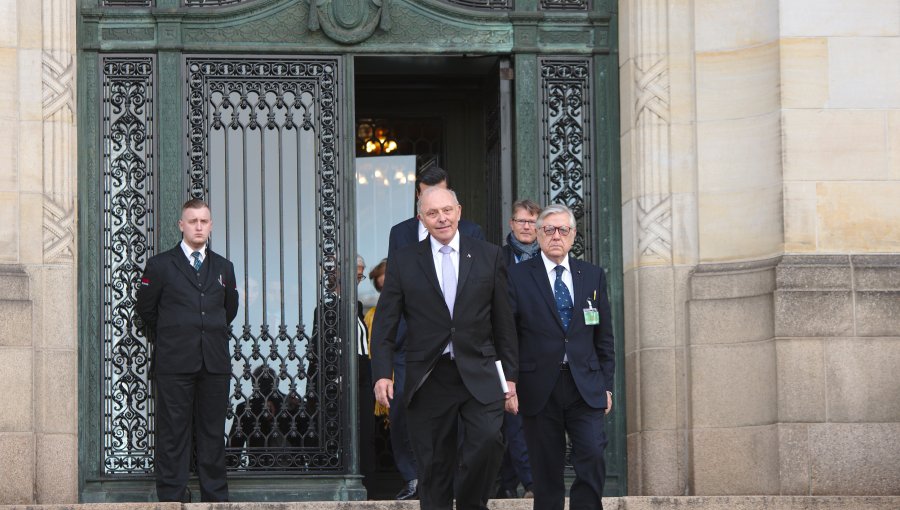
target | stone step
[{"x": 625, "y": 503}]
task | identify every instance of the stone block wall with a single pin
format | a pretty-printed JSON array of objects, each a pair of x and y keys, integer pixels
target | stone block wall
[{"x": 38, "y": 357}]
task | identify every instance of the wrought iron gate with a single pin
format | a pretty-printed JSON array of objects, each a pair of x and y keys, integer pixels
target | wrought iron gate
[{"x": 262, "y": 148}]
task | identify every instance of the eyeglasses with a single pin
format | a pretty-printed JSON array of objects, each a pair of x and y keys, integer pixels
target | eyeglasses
[
  {"x": 550, "y": 230},
  {"x": 360, "y": 278},
  {"x": 522, "y": 223}
]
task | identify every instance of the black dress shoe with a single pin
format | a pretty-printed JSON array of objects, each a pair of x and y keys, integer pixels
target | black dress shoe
[{"x": 408, "y": 492}]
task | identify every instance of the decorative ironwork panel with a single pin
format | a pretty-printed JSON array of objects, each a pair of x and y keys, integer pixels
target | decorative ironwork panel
[
  {"x": 565, "y": 5},
  {"x": 213, "y": 3},
  {"x": 128, "y": 224},
  {"x": 263, "y": 137},
  {"x": 127, "y": 3},
  {"x": 565, "y": 141},
  {"x": 494, "y": 5}
]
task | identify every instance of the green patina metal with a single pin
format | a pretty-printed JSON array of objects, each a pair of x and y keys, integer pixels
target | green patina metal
[{"x": 526, "y": 33}]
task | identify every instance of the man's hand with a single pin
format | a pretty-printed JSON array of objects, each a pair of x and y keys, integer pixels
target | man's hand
[
  {"x": 511, "y": 405},
  {"x": 608, "y": 402},
  {"x": 384, "y": 392}
]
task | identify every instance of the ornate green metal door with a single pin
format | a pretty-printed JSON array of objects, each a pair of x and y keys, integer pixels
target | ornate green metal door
[{"x": 250, "y": 104}]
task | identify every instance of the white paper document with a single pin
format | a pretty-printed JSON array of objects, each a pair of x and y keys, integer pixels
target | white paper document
[{"x": 502, "y": 376}]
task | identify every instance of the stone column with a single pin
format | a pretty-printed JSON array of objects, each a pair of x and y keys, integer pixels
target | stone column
[
  {"x": 38, "y": 370},
  {"x": 702, "y": 232}
]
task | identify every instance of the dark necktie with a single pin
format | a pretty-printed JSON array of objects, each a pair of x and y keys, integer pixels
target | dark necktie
[
  {"x": 563, "y": 298},
  {"x": 197, "y": 262}
]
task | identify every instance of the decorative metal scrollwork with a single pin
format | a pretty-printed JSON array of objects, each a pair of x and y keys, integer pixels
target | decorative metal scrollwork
[
  {"x": 127, "y": 3},
  {"x": 565, "y": 5},
  {"x": 128, "y": 224},
  {"x": 565, "y": 147},
  {"x": 213, "y": 3},
  {"x": 263, "y": 143},
  {"x": 492, "y": 5}
]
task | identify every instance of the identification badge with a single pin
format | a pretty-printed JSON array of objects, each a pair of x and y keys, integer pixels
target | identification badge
[{"x": 591, "y": 315}]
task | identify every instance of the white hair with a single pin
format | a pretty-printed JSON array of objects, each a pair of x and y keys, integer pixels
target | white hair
[
  {"x": 555, "y": 209},
  {"x": 429, "y": 191},
  {"x": 360, "y": 261}
]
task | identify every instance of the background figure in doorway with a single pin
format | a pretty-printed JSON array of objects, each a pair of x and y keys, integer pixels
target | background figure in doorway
[
  {"x": 521, "y": 245},
  {"x": 365, "y": 398},
  {"x": 255, "y": 420},
  {"x": 403, "y": 234},
  {"x": 187, "y": 299}
]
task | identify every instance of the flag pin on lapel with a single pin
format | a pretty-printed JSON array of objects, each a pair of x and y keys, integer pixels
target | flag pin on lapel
[{"x": 468, "y": 255}]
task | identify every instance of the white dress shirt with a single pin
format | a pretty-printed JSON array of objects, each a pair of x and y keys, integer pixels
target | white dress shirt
[
  {"x": 188, "y": 250},
  {"x": 423, "y": 232},
  {"x": 439, "y": 267}
]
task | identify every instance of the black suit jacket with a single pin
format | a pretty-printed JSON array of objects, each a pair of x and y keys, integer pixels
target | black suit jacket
[
  {"x": 542, "y": 340},
  {"x": 187, "y": 316},
  {"x": 481, "y": 328},
  {"x": 406, "y": 233}
]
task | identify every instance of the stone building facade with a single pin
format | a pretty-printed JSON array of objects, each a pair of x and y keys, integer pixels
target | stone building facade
[{"x": 760, "y": 177}]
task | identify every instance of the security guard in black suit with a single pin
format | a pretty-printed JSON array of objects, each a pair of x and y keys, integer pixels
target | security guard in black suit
[{"x": 187, "y": 299}]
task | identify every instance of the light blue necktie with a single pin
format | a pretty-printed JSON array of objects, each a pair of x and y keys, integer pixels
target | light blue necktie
[
  {"x": 448, "y": 277},
  {"x": 563, "y": 298},
  {"x": 197, "y": 262}
]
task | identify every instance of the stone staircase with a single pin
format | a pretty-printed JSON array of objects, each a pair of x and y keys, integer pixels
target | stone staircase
[{"x": 625, "y": 503}]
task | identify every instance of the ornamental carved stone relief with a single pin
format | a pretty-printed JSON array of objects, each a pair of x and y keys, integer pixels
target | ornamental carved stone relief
[{"x": 349, "y": 21}]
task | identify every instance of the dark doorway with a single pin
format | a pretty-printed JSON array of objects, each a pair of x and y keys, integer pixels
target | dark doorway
[{"x": 439, "y": 110}]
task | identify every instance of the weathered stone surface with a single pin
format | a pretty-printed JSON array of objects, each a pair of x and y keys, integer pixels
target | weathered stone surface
[
  {"x": 16, "y": 467},
  {"x": 793, "y": 457},
  {"x": 15, "y": 328},
  {"x": 863, "y": 380},
  {"x": 734, "y": 385},
  {"x": 13, "y": 283},
  {"x": 16, "y": 397},
  {"x": 59, "y": 308},
  {"x": 878, "y": 313},
  {"x": 854, "y": 459},
  {"x": 659, "y": 462},
  {"x": 740, "y": 460},
  {"x": 635, "y": 463},
  {"x": 658, "y": 383},
  {"x": 801, "y": 380},
  {"x": 656, "y": 292},
  {"x": 760, "y": 503},
  {"x": 813, "y": 313},
  {"x": 56, "y": 391},
  {"x": 814, "y": 277},
  {"x": 726, "y": 321},
  {"x": 876, "y": 272},
  {"x": 632, "y": 385},
  {"x": 56, "y": 473},
  {"x": 723, "y": 281}
]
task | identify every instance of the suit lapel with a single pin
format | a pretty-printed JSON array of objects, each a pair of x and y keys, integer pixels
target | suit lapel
[
  {"x": 465, "y": 263},
  {"x": 539, "y": 273},
  {"x": 183, "y": 265},
  {"x": 426, "y": 261},
  {"x": 212, "y": 271},
  {"x": 578, "y": 290}
]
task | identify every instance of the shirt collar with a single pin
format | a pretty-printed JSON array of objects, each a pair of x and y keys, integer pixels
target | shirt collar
[
  {"x": 454, "y": 243},
  {"x": 422, "y": 232},
  {"x": 188, "y": 250},
  {"x": 550, "y": 266}
]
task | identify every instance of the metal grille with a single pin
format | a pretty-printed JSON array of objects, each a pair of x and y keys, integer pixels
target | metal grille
[
  {"x": 262, "y": 138},
  {"x": 565, "y": 151},
  {"x": 496, "y": 5},
  {"x": 127, "y": 3},
  {"x": 128, "y": 224},
  {"x": 566, "y": 5},
  {"x": 213, "y": 3}
]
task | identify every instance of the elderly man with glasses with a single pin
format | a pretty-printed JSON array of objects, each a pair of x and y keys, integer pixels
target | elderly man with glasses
[{"x": 566, "y": 363}]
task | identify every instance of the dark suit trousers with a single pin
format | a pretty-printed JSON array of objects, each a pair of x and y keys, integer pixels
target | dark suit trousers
[
  {"x": 400, "y": 444},
  {"x": 434, "y": 415},
  {"x": 516, "y": 467},
  {"x": 545, "y": 434},
  {"x": 200, "y": 399}
]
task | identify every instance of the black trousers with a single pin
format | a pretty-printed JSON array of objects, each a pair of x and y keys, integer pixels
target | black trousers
[
  {"x": 440, "y": 406},
  {"x": 197, "y": 401},
  {"x": 545, "y": 435}
]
